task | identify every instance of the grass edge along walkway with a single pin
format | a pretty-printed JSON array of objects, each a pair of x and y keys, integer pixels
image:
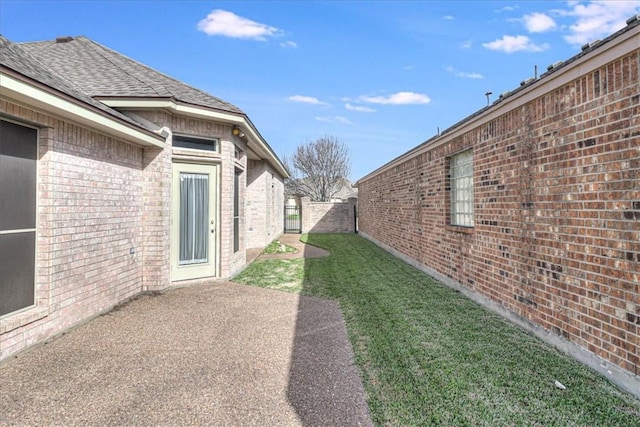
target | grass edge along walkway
[{"x": 428, "y": 355}]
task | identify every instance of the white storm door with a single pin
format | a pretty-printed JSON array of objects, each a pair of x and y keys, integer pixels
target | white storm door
[{"x": 194, "y": 221}]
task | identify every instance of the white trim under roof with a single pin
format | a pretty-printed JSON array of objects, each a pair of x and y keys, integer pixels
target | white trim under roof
[
  {"x": 261, "y": 148},
  {"x": 13, "y": 88}
]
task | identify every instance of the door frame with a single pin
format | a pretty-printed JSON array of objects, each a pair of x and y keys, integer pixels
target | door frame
[{"x": 212, "y": 267}]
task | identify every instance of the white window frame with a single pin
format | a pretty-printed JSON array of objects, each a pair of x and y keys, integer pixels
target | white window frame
[
  {"x": 461, "y": 193},
  {"x": 28, "y": 230},
  {"x": 197, "y": 143}
]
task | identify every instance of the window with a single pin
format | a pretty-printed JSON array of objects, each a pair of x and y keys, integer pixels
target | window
[
  {"x": 236, "y": 210},
  {"x": 461, "y": 171},
  {"x": 194, "y": 218},
  {"x": 195, "y": 143},
  {"x": 18, "y": 166}
]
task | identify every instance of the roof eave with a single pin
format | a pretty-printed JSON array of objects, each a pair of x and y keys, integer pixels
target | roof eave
[
  {"x": 33, "y": 94},
  {"x": 259, "y": 146}
]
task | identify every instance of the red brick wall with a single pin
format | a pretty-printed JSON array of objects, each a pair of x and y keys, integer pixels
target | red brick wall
[{"x": 557, "y": 209}]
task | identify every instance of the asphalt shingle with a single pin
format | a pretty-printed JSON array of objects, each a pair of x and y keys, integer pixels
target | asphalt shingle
[
  {"x": 14, "y": 57},
  {"x": 102, "y": 72}
]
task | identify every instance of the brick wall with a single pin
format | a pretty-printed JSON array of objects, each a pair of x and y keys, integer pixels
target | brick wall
[
  {"x": 90, "y": 204},
  {"x": 264, "y": 204},
  {"x": 276, "y": 207},
  {"x": 231, "y": 261},
  {"x": 225, "y": 158},
  {"x": 104, "y": 217},
  {"x": 328, "y": 217},
  {"x": 556, "y": 176},
  {"x": 156, "y": 218}
]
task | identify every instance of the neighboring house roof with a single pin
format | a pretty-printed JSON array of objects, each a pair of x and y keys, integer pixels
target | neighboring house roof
[
  {"x": 27, "y": 68},
  {"x": 346, "y": 190},
  {"x": 102, "y": 72}
]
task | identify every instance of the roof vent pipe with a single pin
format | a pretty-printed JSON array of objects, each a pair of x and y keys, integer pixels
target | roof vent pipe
[{"x": 633, "y": 19}]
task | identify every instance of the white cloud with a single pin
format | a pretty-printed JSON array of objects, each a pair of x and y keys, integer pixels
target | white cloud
[
  {"x": 228, "y": 24},
  {"x": 510, "y": 44},
  {"x": 597, "y": 19},
  {"x": 462, "y": 74},
  {"x": 306, "y": 100},
  {"x": 506, "y": 9},
  {"x": 538, "y": 22},
  {"x": 334, "y": 119},
  {"x": 359, "y": 108},
  {"x": 448, "y": 18},
  {"x": 400, "y": 98},
  {"x": 289, "y": 43}
]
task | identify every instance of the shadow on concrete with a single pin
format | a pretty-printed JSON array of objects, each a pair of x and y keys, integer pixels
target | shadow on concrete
[
  {"x": 210, "y": 354},
  {"x": 324, "y": 384}
]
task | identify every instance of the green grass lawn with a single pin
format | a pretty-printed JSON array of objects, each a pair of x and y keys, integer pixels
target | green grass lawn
[{"x": 427, "y": 355}]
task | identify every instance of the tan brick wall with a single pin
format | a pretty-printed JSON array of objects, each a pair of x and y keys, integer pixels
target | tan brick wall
[
  {"x": 328, "y": 217},
  {"x": 557, "y": 211},
  {"x": 90, "y": 210},
  {"x": 264, "y": 204},
  {"x": 276, "y": 206},
  {"x": 156, "y": 218},
  {"x": 229, "y": 261},
  {"x": 104, "y": 218}
]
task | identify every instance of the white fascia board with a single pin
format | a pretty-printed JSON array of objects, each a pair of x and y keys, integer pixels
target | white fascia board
[
  {"x": 260, "y": 148},
  {"x": 137, "y": 103},
  {"x": 187, "y": 110},
  {"x": 20, "y": 91}
]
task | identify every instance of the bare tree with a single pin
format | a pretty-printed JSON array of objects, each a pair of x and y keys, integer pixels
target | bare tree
[{"x": 318, "y": 168}]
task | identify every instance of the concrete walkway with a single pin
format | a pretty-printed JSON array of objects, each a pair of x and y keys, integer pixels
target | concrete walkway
[{"x": 219, "y": 354}]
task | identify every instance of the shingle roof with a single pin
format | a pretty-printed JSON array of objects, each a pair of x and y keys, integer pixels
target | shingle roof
[
  {"x": 13, "y": 56},
  {"x": 101, "y": 72}
]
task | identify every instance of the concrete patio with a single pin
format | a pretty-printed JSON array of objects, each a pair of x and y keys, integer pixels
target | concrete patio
[{"x": 216, "y": 354}]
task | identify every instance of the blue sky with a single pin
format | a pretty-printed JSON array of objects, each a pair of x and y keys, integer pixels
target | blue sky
[{"x": 381, "y": 76}]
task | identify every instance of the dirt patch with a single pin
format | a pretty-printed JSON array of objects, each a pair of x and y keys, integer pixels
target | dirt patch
[{"x": 302, "y": 249}]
